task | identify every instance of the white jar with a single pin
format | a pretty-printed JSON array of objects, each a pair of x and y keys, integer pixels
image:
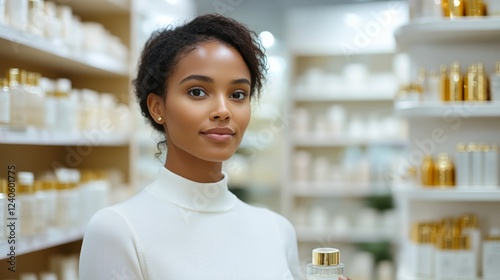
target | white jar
[{"x": 27, "y": 202}]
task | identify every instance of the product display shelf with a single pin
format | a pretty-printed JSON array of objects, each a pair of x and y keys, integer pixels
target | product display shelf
[
  {"x": 52, "y": 238},
  {"x": 38, "y": 50},
  {"x": 340, "y": 141},
  {"x": 448, "y": 31},
  {"x": 444, "y": 109},
  {"x": 45, "y": 138},
  {"x": 364, "y": 94},
  {"x": 322, "y": 236},
  {"x": 337, "y": 189},
  {"x": 403, "y": 274},
  {"x": 429, "y": 44}
]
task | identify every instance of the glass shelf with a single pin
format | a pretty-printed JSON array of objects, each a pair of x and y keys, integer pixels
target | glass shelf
[{"x": 442, "y": 109}]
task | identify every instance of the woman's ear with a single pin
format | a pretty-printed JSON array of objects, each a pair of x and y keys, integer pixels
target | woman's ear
[{"x": 155, "y": 107}]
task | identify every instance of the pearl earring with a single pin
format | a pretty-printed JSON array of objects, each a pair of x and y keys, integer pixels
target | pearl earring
[{"x": 159, "y": 118}]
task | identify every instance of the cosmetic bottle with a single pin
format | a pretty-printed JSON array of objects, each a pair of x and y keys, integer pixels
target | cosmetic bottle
[
  {"x": 18, "y": 101},
  {"x": 65, "y": 16},
  {"x": 456, "y": 7},
  {"x": 477, "y": 160},
  {"x": 475, "y": 8},
  {"x": 491, "y": 255},
  {"x": 447, "y": 244},
  {"x": 50, "y": 105},
  {"x": 27, "y": 203},
  {"x": 66, "y": 105},
  {"x": 433, "y": 88},
  {"x": 465, "y": 260},
  {"x": 491, "y": 165},
  {"x": 482, "y": 83},
  {"x": 462, "y": 166},
  {"x": 36, "y": 102},
  {"x": 17, "y": 14},
  {"x": 427, "y": 171},
  {"x": 444, "y": 171},
  {"x": 455, "y": 82},
  {"x": 471, "y": 84},
  {"x": 3, "y": 209},
  {"x": 445, "y": 8},
  {"x": 469, "y": 227},
  {"x": 325, "y": 264},
  {"x": 53, "y": 26},
  {"x": 67, "y": 206},
  {"x": 423, "y": 251},
  {"x": 50, "y": 195},
  {"x": 42, "y": 220},
  {"x": 4, "y": 104},
  {"x": 444, "y": 82},
  {"x": 36, "y": 17},
  {"x": 495, "y": 82},
  {"x": 94, "y": 192}
]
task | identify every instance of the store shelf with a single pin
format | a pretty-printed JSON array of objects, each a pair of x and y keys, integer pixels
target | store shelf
[
  {"x": 341, "y": 190},
  {"x": 98, "y": 7},
  {"x": 307, "y": 234},
  {"x": 442, "y": 109},
  {"x": 38, "y": 50},
  {"x": 479, "y": 193},
  {"x": 403, "y": 274},
  {"x": 25, "y": 245},
  {"x": 45, "y": 138},
  {"x": 448, "y": 31},
  {"x": 314, "y": 141},
  {"x": 344, "y": 95}
]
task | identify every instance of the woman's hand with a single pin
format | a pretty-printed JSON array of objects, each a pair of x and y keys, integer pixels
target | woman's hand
[{"x": 344, "y": 278}]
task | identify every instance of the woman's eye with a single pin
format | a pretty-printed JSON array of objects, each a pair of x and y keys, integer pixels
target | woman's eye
[
  {"x": 238, "y": 95},
  {"x": 197, "y": 92}
]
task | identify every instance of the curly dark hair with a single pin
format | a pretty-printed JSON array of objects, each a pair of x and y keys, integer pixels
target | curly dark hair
[{"x": 165, "y": 48}]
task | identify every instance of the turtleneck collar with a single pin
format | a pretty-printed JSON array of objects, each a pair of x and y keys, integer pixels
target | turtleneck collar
[{"x": 200, "y": 197}]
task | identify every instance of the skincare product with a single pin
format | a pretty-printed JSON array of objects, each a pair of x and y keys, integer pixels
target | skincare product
[
  {"x": 423, "y": 250},
  {"x": 475, "y": 8},
  {"x": 35, "y": 102},
  {"x": 427, "y": 171},
  {"x": 495, "y": 81},
  {"x": 325, "y": 265},
  {"x": 456, "y": 7},
  {"x": 17, "y": 13},
  {"x": 471, "y": 84},
  {"x": 462, "y": 166},
  {"x": 482, "y": 83},
  {"x": 470, "y": 228},
  {"x": 444, "y": 171},
  {"x": 491, "y": 255},
  {"x": 444, "y": 83},
  {"x": 4, "y": 104},
  {"x": 68, "y": 207},
  {"x": 27, "y": 203},
  {"x": 36, "y": 17},
  {"x": 477, "y": 161},
  {"x": 491, "y": 165},
  {"x": 18, "y": 100},
  {"x": 455, "y": 82},
  {"x": 433, "y": 86}
]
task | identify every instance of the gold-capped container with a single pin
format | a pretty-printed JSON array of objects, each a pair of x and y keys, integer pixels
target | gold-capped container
[
  {"x": 325, "y": 264},
  {"x": 444, "y": 171},
  {"x": 427, "y": 171}
]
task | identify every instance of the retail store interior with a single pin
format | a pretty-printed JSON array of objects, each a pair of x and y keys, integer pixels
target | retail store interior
[{"x": 376, "y": 133}]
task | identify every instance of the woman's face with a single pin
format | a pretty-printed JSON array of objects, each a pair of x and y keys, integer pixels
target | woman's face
[{"x": 207, "y": 106}]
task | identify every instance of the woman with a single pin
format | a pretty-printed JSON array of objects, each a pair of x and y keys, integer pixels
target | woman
[{"x": 194, "y": 84}]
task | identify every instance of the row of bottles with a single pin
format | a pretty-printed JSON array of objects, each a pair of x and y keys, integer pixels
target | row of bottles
[
  {"x": 63, "y": 200},
  {"x": 57, "y": 23},
  {"x": 61, "y": 267},
  {"x": 450, "y": 84},
  {"x": 474, "y": 166},
  {"x": 453, "y": 248},
  {"x": 30, "y": 101},
  {"x": 453, "y": 8}
]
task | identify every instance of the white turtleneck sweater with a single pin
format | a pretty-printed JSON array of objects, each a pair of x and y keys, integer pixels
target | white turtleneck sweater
[{"x": 182, "y": 230}]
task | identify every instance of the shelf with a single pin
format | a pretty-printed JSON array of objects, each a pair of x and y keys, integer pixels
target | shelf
[
  {"x": 100, "y": 7},
  {"x": 38, "y": 50},
  {"x": 52, "y": 238},
  {"x": 403, "y": 274},
  {"x": 341, "y": 190},
  {"x": 442, "y": 109},
  {"x": 448, "y": 31},
  {"x": 487, "y": 193},
  {"x": 307, "y": 234},
  {"x": 46, "y": 138},
  {"x": 344, "y": 95},
  {"x": 314, "y": 141}
]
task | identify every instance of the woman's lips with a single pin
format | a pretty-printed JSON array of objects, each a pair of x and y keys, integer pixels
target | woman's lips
[{"x": 219, "y": 134}]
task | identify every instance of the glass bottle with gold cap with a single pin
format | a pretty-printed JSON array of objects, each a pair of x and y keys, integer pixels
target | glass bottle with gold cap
[
  {"x": 36, "y": 101},
  {"x": 455, "y": 82},
  {"x": 325, "y": 264},
  {"x": 469, "y": 226},
  {"x": 427, "y": 171},
  {"x": 444, "y": 171}
]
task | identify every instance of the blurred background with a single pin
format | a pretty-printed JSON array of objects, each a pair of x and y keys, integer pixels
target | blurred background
[{"x": 362, "y": 138}]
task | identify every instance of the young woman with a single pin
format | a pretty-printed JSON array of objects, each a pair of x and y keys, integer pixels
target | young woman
[{"x": 194, "y": 84}]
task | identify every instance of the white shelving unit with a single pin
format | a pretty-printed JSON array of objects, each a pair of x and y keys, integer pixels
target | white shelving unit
[
  {"x": 436, "y": 127},
  {"x": 37, "y": 151}
]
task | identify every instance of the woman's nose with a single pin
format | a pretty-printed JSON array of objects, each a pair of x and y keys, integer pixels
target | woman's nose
[{"x": 220, "y": 109}]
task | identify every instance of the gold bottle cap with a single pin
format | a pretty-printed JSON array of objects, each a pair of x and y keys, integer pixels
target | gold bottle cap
[
  {"x": 325, "y": 256},
  {"x": 48, "y": 185}
]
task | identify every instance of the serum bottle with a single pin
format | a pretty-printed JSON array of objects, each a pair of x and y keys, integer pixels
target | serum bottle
[{"x": 325, "y": 264}]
